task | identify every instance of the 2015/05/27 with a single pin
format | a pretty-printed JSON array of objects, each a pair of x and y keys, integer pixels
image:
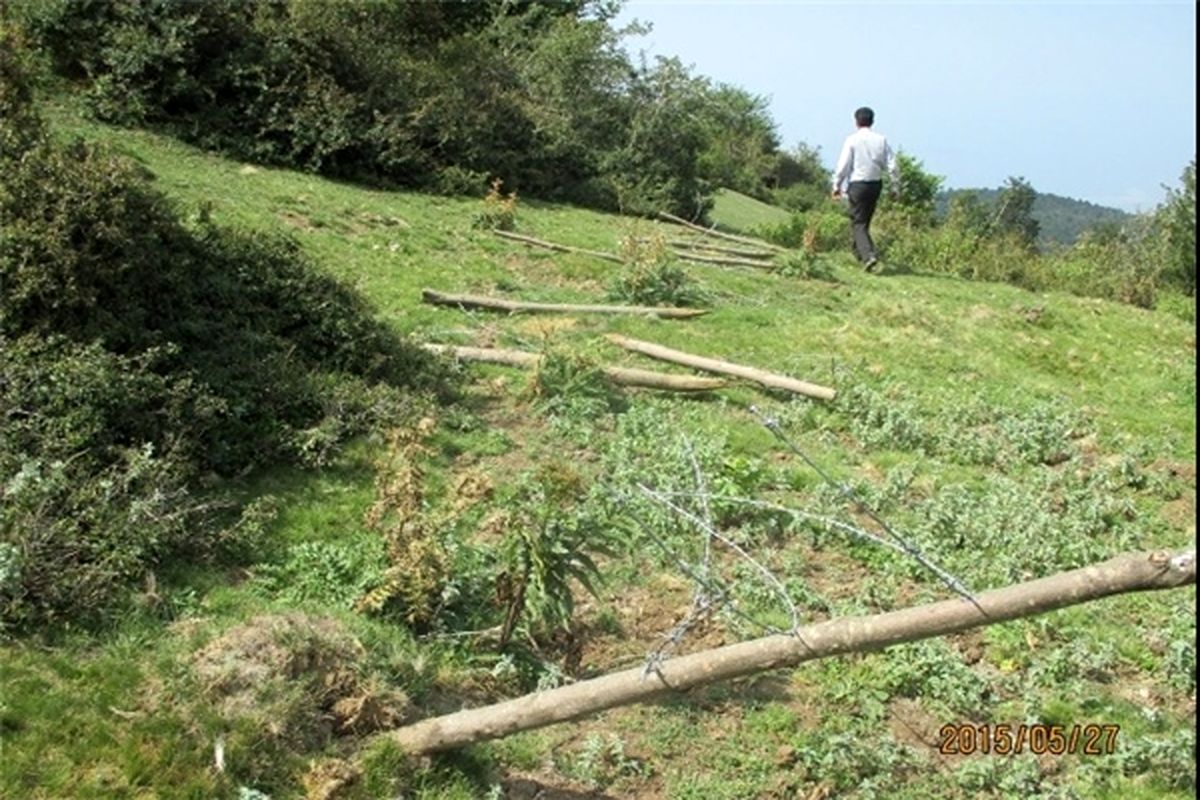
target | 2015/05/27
[{"x": 966, "y": 739}]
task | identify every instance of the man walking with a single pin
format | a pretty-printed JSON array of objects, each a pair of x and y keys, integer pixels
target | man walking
[{"x": 865, "y": 158}]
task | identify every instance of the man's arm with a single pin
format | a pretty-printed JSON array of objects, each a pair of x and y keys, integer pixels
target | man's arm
[
  {"x": 842, "y": 171},
  {"x": 893, "y": 169}
]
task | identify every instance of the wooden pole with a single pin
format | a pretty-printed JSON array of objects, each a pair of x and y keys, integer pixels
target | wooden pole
[
  {"x": 725, "y": 261},
  {"x": 518, "y": 306},
  {"x": 1132, "y": 572},
  {"x": 769, "y": 379},
  {"x": 562, "y": 248},
  {"x": 719, "y": 234},
  {"x": 695, "y": 244},
  {"x": 624, "y": 376}
]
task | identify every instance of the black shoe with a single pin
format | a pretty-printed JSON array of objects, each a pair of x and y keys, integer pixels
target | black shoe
[{"x": 870, "y": 264}]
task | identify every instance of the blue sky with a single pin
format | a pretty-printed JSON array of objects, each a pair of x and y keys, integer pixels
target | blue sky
[{"x": 1092, "y": 100}]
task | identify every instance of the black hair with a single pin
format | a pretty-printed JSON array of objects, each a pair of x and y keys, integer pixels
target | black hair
[{"x": 865, "y": 117}]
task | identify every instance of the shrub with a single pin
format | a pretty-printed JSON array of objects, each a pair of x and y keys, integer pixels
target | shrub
[
  {"x": 824, "y": 229},
  {"x": 137, "y": 354},
  {"x": 92, "y": 486},
  {"x": 499, "y": 210},
  {"x": 651, "y": 276}
]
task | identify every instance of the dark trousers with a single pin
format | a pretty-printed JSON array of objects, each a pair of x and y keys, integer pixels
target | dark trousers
[{"x": 863, "y": 197}]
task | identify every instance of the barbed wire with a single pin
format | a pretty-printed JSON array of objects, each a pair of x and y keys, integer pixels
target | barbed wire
[{"x": 953, "y": 583}]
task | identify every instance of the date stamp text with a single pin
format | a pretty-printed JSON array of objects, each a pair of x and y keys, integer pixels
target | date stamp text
[{"x": 1090, "y": 740}]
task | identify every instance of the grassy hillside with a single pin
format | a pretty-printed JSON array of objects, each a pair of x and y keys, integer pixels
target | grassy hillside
[
  {"x": 1007, "y": 434},
  {"x": 733, "y": 211}
]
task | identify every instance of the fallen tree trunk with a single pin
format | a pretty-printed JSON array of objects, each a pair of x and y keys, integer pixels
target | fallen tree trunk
[
  {"x": 768, "y": 379},
  {"x": 729, "y": 261},
  {"x": 624, "y": 376},
  {"x": 1131, "y": 572},
  {"x": 562, "y": 248},
  {"x": 719, "y": 234},
  {"x": 518, "y": 306}
]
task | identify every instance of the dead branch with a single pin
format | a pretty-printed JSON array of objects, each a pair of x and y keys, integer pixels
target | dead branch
[
  {"x": 624, "y": 376},
  {"x": 1131, "y": 572},
  {"x": 719, "y": 234},
  {"x": 562, "y": 248},
  {"x": 768, "y": 379},
  {"x": 520, "y": 306}
]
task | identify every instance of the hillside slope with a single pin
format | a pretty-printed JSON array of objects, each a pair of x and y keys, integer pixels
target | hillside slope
[{"x": 1008, "y": 434}]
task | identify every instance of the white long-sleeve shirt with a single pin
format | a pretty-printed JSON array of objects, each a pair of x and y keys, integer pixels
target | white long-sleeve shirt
[{"x": 865, "y": 156}]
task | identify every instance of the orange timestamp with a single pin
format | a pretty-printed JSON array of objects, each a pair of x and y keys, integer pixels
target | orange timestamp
[{"x": 1001, "y": 739}]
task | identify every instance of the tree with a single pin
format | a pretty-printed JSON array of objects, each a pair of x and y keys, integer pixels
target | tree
[
  {"x": 741, "y": 147},
  {"x": 657, "y": 166},
  {"x": 968, "y": 213},
  {"x": 1177, "y": 219},
  {"x": 800, "y": 179},
  {"x": 917, "y": 189},
  {"x": 1014, "y": 212}
]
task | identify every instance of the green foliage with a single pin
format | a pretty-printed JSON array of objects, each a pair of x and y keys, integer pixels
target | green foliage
[
  {"x": 822, "y": 229},
  {"x": 914, "y": 197},
  {"x": 551, "y": 540},
  {"x": 141, "y": 354},
  {"x": 94, "y": 490},
  {"x": 499, "y": 210},
  {"x": 741, "y": 144},
  {"x": 800, "y": 179},
  {"x": 571, "y": 383},
  {"x": 600, "y": 761},
  {"x": 655, "y": 168},
  {"x": 1128, "y": 265},
  {"x": 1176, "y": 218},
  {"x": 418, "y": 94},
  {"x": 20, "y": 126},
  {"x": 1014, "y": 212},
  {"x": 652, "y": 276},
  {"x": 328, "y": 574}
]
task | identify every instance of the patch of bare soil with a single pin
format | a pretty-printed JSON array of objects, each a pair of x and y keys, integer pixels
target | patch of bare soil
[{"x": 297, "y": 220}]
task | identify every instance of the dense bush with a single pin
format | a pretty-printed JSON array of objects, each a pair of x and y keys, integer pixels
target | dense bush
[
  {"x": 138, "y": 354},
  {"x": 541, "y": 95}
]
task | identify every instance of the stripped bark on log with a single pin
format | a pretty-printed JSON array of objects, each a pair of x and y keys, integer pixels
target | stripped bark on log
[
  {"x": 769, "y": 379},
  {"x": 1132, "y": 572},
  {"x": 719, "y": 234},
  {"x": 562, "y": 248},
  {"x": 519, "y": 306},
  {"x": 624, "y": 376}
]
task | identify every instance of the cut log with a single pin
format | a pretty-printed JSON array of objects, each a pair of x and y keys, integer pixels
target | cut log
[
  {"x": 719, "y": 234},
  {"x": 1132, "y": 572},
  {"x": 518, "y": 306},
  {"x": 624, "y": 376},
  {"x": 771, "y": 380},
  {"x": 692, "y": 244},
  {"x": 725, "y": 261},
  {"x": 562, "y": 248}
]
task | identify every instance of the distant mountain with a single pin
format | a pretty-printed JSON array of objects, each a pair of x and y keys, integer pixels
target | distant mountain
[{"x": 1062, "y": 219}]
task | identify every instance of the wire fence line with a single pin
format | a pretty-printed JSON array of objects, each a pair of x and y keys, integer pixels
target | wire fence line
[
  {"x": 710, "y": 594},
  {"x": 951, "y": 582}
]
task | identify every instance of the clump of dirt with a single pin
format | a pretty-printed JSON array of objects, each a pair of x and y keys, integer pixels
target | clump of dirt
[
  {"x": 296, "y": 677},
  {"x": 330, "y": 779}
]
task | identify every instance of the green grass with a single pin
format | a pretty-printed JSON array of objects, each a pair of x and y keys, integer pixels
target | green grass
[
  {"x": 734, "y": 211},
  {"x": 913, "y": 356}
]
